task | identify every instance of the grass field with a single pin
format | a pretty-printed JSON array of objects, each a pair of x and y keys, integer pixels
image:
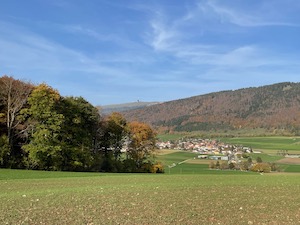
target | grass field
[
  {"x": 188, "y": 193},
  {"x": 268, "y": 144},
  {"x": 90, "y": 198}
]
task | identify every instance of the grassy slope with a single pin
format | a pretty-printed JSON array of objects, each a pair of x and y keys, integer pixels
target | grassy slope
[{"x": 149, "y": 199}]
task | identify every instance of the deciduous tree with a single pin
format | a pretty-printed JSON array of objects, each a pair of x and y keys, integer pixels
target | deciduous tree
[
  {"x": 13, "y": 97},
  {"x": 141, "y": 142},
  {"x": 112, "y": 135},
  {"x": 45, "y": 122},
  {"x": 78, "y": 133}
]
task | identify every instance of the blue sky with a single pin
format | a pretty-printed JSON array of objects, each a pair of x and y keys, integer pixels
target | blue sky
[{"x": 117, "y": 51}]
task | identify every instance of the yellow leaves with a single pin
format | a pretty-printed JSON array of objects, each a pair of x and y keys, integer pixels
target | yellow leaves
[
  {"x": 47, "y": 90},
  {"x": 2, "y": 117},
  {"x": 141, "y": 131},
  {"x": 116, "y": 118},
  {"x": 261, "y": 167}
]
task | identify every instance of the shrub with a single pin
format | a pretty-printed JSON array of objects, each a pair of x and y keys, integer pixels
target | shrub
[
  {"x": 212, "y": 165},
  {"x": 224, "y": 166},
  {"x": 261, "y": 167},
  {"x": 157, "y": 168},
  {"x": 232, "y": 166},
  {"x": 245, "y": 155},
  {"x": 275, "y": 167},
  {"x": 259, "y": 160}
]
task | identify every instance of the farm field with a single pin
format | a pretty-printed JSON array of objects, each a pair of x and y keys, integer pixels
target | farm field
[
  {"x": 187, "y": 193},
  {"x": 268, "y": 144},
  {"x": 182, "y": 162},
  {"x": 90, "y": 198}
]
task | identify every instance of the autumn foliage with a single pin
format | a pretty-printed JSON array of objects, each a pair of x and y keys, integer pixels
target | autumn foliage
[
  {"x": 274, "y": 108},
  {"x": 40, "y": 129}
]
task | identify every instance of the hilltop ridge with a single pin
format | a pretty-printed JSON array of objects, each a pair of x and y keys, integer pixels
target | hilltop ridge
[
  {"x": 106, "y": 109},
  {"x": 271, "y": 107}
]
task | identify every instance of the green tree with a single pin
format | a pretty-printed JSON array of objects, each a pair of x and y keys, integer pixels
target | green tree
[
  {"x": 259, "y": 160},
  {"x": 112, "y": 135},
  {"x": 218, "y": 165},
  {"x": 45, "y": 127},
  {"x": 4, "y": 151},
  {"x": 78, "y": 133}
]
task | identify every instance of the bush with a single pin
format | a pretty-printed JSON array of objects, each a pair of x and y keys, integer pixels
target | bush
[
  {"x": 157, "y": 168},
  {"x": 232, "y": 166},
  {"x": 224, "y": 166},
  {"x": 259, "y": 160},
  {"x": 245, "y": 165},
  {"x": 261, "y": 167},
  {"x": 275, "y": 167},
  {"x": 245, "y": 155},
  {"x": 212, "y": 165}
]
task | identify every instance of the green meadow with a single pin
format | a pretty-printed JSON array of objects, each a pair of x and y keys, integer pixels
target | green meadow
[
  {"x": 187, "y": 193},
  {"x": 95, "y": 198},
  {"x": 268, "y": 144}
]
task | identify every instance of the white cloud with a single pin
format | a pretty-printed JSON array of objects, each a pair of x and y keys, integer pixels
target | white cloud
[
  {"x": 182, "y": 37},
  {"x": 162, "y": 37},
  {"x": 262, "y": 15},
  {"x": 29, "y": 51}
]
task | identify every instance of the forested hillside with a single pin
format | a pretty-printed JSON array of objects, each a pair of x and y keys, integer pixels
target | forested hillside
[
  {"x": 273, "y": 107},
  {"x": 107, "y": 109}
]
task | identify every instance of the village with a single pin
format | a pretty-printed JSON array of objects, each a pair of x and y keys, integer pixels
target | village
[{"x": 207, "y": 148}]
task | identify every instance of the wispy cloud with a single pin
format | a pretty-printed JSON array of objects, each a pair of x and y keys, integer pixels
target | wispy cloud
[
  {"x": 261, "y": 15},
  {"x": 182, "y": 39},
  {"x": 163, "y": 37},
  {"x": 158, "y": 49}
]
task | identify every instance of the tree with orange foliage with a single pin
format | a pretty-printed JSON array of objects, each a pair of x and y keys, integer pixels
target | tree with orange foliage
[{"x": 141, "y": 142}]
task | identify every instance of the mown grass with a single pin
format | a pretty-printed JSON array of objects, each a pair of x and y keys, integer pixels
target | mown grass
[
  {"x": 290, "y": 168},
  {"x": 151, "y": 199},
  {"x": 175, "y": 157},
  {"x": 268, "y": 144},
  {"x": 170, "y": 137},
  {"x": 266, "y": 157}
]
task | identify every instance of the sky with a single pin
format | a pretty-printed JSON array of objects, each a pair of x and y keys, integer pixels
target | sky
[{"x": 119, "y": 51}]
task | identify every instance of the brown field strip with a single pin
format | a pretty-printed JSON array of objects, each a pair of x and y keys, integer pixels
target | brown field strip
[
  {"x": 198, "y": 161},
  {"x": 293, "y": 161},
  {"x": 165, "y": 151}
]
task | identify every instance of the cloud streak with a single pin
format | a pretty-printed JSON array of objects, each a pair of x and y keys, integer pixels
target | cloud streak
[{"x": 160, "y": 49}]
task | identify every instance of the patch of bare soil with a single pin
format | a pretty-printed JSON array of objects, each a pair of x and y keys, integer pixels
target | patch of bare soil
[
  {"x": 198, "y": 161},
  {"x": 293, "y": 161},
  {"x": 165, "y": 151}
]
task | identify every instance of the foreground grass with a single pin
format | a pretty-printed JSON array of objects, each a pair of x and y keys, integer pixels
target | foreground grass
[
  {"x": 6, "y": 174},
  {"x": 151, "y": 199}
]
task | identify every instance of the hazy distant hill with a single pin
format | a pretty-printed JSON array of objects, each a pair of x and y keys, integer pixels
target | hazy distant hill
[
  {"x": 106, "y": 109},
  {"x": 270, "y": 107}
]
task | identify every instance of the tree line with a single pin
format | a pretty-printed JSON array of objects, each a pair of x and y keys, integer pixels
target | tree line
[{"x": 40, "y": 129}]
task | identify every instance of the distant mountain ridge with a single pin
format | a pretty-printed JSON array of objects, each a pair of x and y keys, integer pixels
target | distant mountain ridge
[
  {"x": 270, "y": 107},
  {"x": 107, "y": 109}
]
